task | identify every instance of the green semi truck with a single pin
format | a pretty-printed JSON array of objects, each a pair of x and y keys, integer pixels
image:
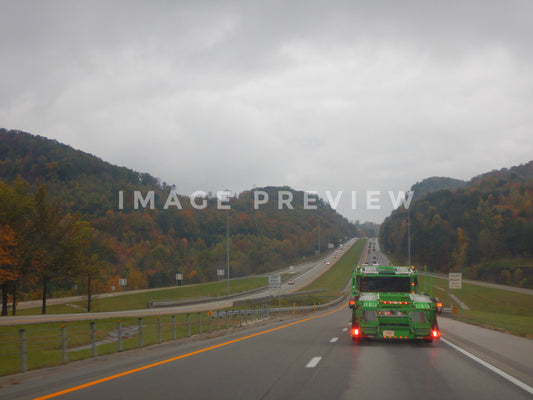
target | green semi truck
[{"x": 386, "y": 304}]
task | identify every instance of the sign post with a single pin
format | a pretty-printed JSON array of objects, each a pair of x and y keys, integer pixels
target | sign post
[{"x": 274, "y": 284}]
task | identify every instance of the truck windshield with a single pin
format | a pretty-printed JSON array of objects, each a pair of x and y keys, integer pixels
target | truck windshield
[{"x": 385, "y": 284}]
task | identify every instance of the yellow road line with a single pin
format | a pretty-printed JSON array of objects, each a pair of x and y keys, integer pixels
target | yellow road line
[{"x": 132, "y": 371}]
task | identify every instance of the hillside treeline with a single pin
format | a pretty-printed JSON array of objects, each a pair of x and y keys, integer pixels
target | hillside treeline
[
  {"x": 483, "y": 229},
  {"x": 147, "y": 246}
]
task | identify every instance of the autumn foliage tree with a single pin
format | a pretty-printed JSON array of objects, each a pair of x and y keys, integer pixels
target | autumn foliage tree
[{"x": 483, "y": 228}]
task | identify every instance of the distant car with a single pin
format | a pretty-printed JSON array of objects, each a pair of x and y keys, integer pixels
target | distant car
[
  {"x": 290, "y": 282},
  {"x": 327, "y": 263}
]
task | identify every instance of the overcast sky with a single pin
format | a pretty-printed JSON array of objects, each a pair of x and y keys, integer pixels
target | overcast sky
[{"x": 317, "y": 95}]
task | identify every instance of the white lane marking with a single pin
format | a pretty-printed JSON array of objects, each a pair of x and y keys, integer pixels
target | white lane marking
[
  {"x": 333, "y": 340},
  {"x": 314, "y": 362},
  {"x": 344, "y": 329},
  {"x": 503, "y": 374}
]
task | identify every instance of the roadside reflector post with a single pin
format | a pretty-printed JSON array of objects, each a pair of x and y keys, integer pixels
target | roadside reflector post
[
  {"x": 199, "y": 322},
  {"x": 140, "y": 332},
  {"x": 64, "y": 343},
  {"x": 174, "y": 327},
  {"x": 119, "y": 335},
  {"x": 93, "y": 338},
  {"x": 23, "y": 355},
  {"x": 454, "y": 309},
  {"x": 159, "y": 340},
  {"x": 188, "y": 325}
]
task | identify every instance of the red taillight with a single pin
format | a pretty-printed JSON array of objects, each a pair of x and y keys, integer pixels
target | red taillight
[
  {"x": 352, "y": 302},
  {"x": 355, "y": 332},
  {"x": 439, "y": 305},
  {"x": 435, "y": 333}
]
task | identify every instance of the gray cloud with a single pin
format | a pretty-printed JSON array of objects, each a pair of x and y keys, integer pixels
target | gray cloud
[{"x": 346, "y": 96}]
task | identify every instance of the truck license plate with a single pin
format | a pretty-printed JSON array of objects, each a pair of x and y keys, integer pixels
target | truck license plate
[{"x": 388, "y": 333}]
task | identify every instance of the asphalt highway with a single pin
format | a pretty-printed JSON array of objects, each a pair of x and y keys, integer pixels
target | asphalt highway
[{"x": 311, "y": 357}]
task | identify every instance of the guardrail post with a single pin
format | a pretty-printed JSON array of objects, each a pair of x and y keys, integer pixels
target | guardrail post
[
  {"x": 119, "y": 335},
  {"x": 23, "y": 355},
  {"x": 64, "y": 343},
  {"x": 140, "y": 331},
  {"x": 159, "y": 340},
  {"x": 188, "y": 325},
  {"x": 174, "y": 327},
  {"x": 199, "y": 322},
  {"x": 93, "y": 338}
]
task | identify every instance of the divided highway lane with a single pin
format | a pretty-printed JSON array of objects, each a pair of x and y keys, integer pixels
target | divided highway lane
[
  {"x": 304, "y": 274},
  {"x": 307, "y": 358}
]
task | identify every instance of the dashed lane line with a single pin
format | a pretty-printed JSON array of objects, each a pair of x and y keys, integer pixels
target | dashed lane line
[{"x": 314, "y": 362}]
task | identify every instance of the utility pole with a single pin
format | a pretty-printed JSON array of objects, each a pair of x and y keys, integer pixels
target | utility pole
[
  {"x": 318, "y": 212},
  {"x": 408, "y": 235},
  {"x": 227, "y": 245}
]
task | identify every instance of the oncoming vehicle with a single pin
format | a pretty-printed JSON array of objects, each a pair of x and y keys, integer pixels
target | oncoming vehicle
[{"x": 386, "y": 304}]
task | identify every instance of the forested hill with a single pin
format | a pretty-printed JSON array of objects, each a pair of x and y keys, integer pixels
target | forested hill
[
  {"x": 79, "y": 181},
  {"x": 150, "y": 245},
  {"x": 435, "y": 184},
  {"x": 483, "y": 228}
]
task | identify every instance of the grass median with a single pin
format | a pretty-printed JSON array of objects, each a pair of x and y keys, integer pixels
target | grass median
[
  {"x": 334, "y": 280},
  {"x": 140, "y": 300}
]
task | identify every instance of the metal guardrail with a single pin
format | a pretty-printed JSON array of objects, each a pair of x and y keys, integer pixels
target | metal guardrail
[
  {"x": 172, "y": 303},
  {"x": 332, "y": 303},
  {"x": 24, "y": 351},
  {"x": 198, "y": 300}
]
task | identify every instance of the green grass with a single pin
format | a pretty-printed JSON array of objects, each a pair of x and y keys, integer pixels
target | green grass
[
  {"x": 334, "y": 280},
  {"x": 492, "y": 308},
  {"x": 137, "y": 301},
  {"x": 43, "y": 340}
]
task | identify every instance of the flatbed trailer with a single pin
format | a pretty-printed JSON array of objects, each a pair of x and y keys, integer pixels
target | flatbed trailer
[{"x": 386, "y": 305}]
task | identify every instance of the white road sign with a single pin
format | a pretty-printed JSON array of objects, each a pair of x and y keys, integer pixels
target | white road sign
[
  {"x": 274, "y": 282},
  {"x": 455, "y": 280}
]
